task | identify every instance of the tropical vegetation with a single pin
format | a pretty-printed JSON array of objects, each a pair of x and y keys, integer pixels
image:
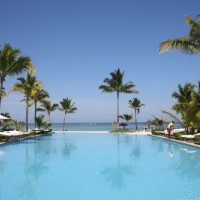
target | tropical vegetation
[
  {"x": 12, "y": 62},
  {"x": 158, "y": 123},
  {"x": 39, "y": 120},
  {"x": 39, "y": 95},
  {"x": 189, "y": 44},
  {"x": 28, "y": 86},
  {"x": 67, "y": 106},
  {"x": 126, "y": 118},
  {"x": 47, "y": 107},
  {"x": 187, "y": 96},
  {"x": 187, "y": 106},
  {"x": 136, "y": 104},
  {"x": 115, "y": 84}
]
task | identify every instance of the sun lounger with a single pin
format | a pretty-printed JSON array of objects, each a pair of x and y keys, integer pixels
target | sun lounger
[
  {"x": 13, "y": 134},
  {"x": 178, "y": 130},
  {"x": 187, "y": 137},
  {"x": 162, "y": 132}
]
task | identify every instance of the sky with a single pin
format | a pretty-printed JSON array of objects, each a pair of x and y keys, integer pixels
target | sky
[{"x": 76, "y": 44}]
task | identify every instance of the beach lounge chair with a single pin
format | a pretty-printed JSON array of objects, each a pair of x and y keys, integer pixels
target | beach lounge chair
[
  {"x": 13, "y": 135},
  {"x": 177, "y": 130},
  {"x": 161, "y": 132},
  {"x": 189, "y": 137}
]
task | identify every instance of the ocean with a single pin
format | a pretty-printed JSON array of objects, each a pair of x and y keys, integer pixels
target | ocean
[{"x": 95, "y": 126}]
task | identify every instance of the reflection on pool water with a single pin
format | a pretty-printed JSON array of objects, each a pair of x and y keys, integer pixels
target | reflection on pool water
[{"x": 99, "y": 167}]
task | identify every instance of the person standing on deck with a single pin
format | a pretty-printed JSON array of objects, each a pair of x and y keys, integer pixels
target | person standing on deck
[{"x": 169, "y": 128}]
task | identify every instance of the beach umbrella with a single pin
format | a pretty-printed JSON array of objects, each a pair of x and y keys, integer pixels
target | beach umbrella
[
  {"x": 3, "y": 117},
  {"x": 149, "y": 123},
  {"x": 123, "y": 124}
]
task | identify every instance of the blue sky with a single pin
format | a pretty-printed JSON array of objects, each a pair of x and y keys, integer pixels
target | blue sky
[{"x": 76, "y": 44}]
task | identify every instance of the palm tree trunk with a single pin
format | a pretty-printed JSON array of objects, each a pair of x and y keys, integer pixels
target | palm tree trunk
[
  {"x": 136, "y": 121},
  {"x": 64, "y": 122},
  {"x": 49, "y": 116},
  {"x": 27, "y": 114},
  {"x": 35, "y": 114},
  {"x": 117, "y": 110},
  {"x": 187, "y": 119},
  {"x": 1, "y": 88}
]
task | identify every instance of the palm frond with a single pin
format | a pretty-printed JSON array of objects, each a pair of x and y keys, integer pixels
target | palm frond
[
  {"x": 173, "y": 117},
  {"x": 179, "y": 44},
  {"x": 189, "y": 44}
]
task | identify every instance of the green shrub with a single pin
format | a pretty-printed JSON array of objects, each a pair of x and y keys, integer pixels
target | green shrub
[
  {"x": 120, "y": 131},
  {"x": 197, "y": 139},
  {"x": 34, "y": 133},
  {"x": 156, "y": 133},
  {"x": 177, "y": 136},
  {"x": 3, "y": 138},
  {"x": 198, "y": 130}
]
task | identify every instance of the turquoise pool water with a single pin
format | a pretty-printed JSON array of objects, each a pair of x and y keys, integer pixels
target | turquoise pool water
[{"x": 99, "y": 167}]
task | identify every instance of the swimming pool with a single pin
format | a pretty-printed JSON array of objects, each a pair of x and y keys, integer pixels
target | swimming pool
[{"x": 99, "y": 167}]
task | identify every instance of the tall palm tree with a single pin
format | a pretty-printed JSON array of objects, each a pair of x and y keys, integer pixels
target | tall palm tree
[
  {"x": 12, "y": 63},
  {"x": 68, "y": 107},
  {"x": 188, "y": 106},
  {"x": 39, "y": 95},
  {"x": 189, "y": 44},
  {"x": 184, "y": 106},
  {"x": 48, "y": 107},
  {"x": 115, "y": 84},
  {"x": 136, "y": 105},
  {"x": 26, "y": 86}
]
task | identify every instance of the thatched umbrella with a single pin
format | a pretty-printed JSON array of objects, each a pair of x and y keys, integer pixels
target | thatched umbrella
[{"x": 149, "y": 123}]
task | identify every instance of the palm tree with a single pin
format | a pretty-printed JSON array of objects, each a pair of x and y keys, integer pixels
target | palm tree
[
  {"x": 115, "y": 84},
  {"x": 26, "y": 86},
  {"x": 6, "y": 123},
  {"x": 136, "y": 105},
  {"x": 18, "y": 125},
  {"x": 40, "y": 121},
  {"x": 173, "y": 117},
  {"x": 188, "y": 106},
  {"x": 12, "y": 63},
  {"x": 189, "y": 44},
  {"x": 126, "y": 118},
  {"x": 159, "y": 122},
  {"x": 196, "y": 104},
  {"x": 39, "y": 95},
  {"x": 184, "y": 106},
  {"x": 68, "y": 107},
  {"x": 47, "y": 107}
]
